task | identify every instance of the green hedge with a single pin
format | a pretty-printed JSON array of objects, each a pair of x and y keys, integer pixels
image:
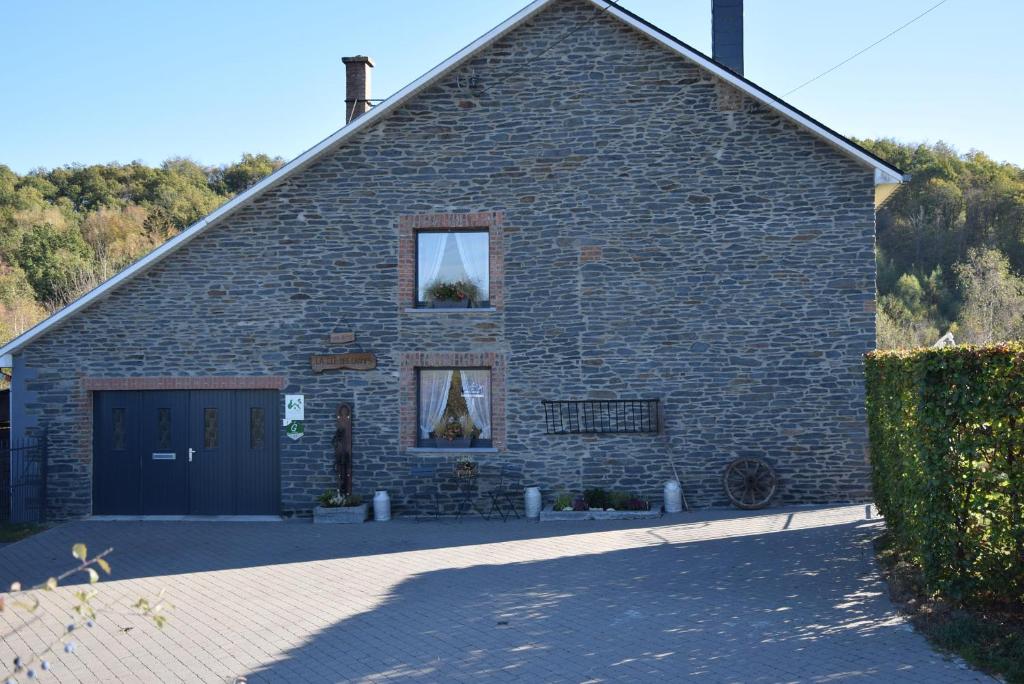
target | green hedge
[{"x": 947, "y": 455}]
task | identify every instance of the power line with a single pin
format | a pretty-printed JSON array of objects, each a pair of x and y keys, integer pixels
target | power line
[{"x": 861, "y": 52}]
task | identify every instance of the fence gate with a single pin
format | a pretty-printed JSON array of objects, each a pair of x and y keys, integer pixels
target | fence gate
[{"x": 23, "y": 480}]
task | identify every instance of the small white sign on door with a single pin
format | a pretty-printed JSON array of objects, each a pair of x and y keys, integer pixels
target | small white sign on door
[{"x": 294, "y": 407}]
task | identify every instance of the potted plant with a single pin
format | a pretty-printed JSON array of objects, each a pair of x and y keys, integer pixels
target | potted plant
[
  {"x": 336, "y": 507},
  {"x": 465, "y": 468},
  {"x": 458, "y": 294},
  {"x": 470, "y": 432},
  {"x": 453, "y": 435},
  {"x": 619, "y": 501},
  {"x": 637, "y": 504},
  {"x": 563, "y": 502},
  {"x": 597, "y": 499}
]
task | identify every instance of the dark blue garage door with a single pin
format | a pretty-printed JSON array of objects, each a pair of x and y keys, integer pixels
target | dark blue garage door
[{"x": 185, "y": 453}]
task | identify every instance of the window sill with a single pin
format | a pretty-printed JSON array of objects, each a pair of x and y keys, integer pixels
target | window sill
[
  {"x": 471, "y": 450},
  {"x": 427, "y": 309}
]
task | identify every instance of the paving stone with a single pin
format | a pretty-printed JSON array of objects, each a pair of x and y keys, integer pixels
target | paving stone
[{"x": 788, "y": 595}]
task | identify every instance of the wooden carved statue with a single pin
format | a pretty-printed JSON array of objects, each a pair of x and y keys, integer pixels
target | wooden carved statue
[{"x": 342, "y": 443}]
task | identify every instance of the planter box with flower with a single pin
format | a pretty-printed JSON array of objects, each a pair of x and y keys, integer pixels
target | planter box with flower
[
  {"x": 336, "y": 507},
  {"x": 460, "y": 294},
  {"x": 465, "y": 468},
  {"x": 455, "y": 433},
  {"x": 598, "y": 504}
]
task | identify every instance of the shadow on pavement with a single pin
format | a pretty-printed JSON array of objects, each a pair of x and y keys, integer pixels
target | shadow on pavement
[
  {"x": 158, "y": 548},
  {"x": 775, "y": 607}
]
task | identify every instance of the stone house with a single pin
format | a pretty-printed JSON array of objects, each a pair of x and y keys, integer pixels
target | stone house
[{"x": 576, "y": 208}]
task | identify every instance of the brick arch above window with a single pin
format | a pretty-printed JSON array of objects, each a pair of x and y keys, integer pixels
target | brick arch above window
[
  {"x": 409, "y": 225},
  {"x": 410, "y": 362}
]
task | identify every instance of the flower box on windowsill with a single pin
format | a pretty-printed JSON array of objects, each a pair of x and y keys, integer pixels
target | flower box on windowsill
[
  {"x": 342, "y": 515},
  {"x": 449, "y": 304},
  {"x": 460, "y": 443},
  {"x": 431, "y": 310},
  {"x": 437, "y": 451}
]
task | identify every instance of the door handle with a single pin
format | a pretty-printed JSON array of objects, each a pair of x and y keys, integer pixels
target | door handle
[{"x": 190, "y": 452}]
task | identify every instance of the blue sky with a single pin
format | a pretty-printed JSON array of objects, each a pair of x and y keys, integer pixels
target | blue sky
[{"x": 101, "y": 81}]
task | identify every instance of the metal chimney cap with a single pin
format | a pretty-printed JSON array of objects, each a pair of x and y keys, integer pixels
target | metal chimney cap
[{"x": 358, "y": 59}]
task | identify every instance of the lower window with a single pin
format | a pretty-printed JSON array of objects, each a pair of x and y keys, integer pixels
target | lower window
[{"x": 454, "y": 408}]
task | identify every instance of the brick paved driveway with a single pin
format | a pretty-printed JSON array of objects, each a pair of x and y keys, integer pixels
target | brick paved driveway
[{"x": 789, "y": 595}]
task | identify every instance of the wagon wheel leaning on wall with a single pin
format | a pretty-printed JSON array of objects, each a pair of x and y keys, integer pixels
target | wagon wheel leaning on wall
[{"x": 749, "y": 483}]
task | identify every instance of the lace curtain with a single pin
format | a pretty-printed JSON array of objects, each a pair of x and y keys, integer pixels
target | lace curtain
[
  {"x": 434, "y": 388},
  {"x": 431, "y": 247},
  {"x": 474, "y": 253},
  {"x": 476, "y": 390}
]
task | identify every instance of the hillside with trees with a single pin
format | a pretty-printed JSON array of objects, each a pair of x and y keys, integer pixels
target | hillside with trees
[
  {"x": 950, "y": 248},
  {"x": 64, "y": 231},
  {"x": 950, "y": 244}
]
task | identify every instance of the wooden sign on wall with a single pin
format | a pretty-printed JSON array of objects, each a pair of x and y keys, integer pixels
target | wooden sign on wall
[{"x": 354, "y": 361}]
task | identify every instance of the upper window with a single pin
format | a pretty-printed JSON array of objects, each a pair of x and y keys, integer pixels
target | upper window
[
  {"x": 454, "y": 408},
  {"x": 453, "y": 269}
]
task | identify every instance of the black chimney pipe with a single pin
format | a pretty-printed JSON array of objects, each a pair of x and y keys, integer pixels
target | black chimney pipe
[{"x": 727, "y": 33}]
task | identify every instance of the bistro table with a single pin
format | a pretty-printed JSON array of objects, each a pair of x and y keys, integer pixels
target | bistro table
[{"x": 466, "y": 481}]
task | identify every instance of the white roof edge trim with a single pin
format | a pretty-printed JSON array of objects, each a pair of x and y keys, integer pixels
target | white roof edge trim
[
  {"x": 6, "y": 361},
  {"x": 396, "y": 100},
  {"x": 729, "y": 77},
  {"x": 187, "y": 235},
  {"x": 883, "y": 177}
]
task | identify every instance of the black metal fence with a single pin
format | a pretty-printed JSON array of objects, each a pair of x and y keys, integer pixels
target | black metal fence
[
  {"x": 23, "y": 480},
  {"x": 601, "y": 416},
  {"x": 5, "y": 415},
  {"x": 5, "y": 409}
]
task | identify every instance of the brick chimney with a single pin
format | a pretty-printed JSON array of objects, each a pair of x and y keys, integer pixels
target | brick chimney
[
  {"x": 357, "y": 86},
  {"x": 727, "y": 33}
]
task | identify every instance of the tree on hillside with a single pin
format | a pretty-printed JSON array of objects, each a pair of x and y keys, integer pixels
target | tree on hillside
[
  {"x": 906, "y": 317},
  {"x": 117, "y": 238},
  {"x": 993, "y": 309},
  {"x": 19, "y": 310},
  {"x": 8, "y": 186},
  {"x": 55, "y": 261},
  {"x": 233, "y": 179}
]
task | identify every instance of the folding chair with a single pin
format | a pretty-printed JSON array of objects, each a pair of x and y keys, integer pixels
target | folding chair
[{"x": 507, "y": 486}]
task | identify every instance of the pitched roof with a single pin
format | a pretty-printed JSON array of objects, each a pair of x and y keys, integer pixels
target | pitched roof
[{"x": 887, "y": 176}]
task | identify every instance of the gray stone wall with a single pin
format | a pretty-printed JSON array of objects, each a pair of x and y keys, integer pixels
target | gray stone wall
[{"x": 660, "y": 242}]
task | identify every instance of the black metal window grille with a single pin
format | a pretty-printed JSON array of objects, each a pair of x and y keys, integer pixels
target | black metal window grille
[{"x": 601, "y": 416}]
